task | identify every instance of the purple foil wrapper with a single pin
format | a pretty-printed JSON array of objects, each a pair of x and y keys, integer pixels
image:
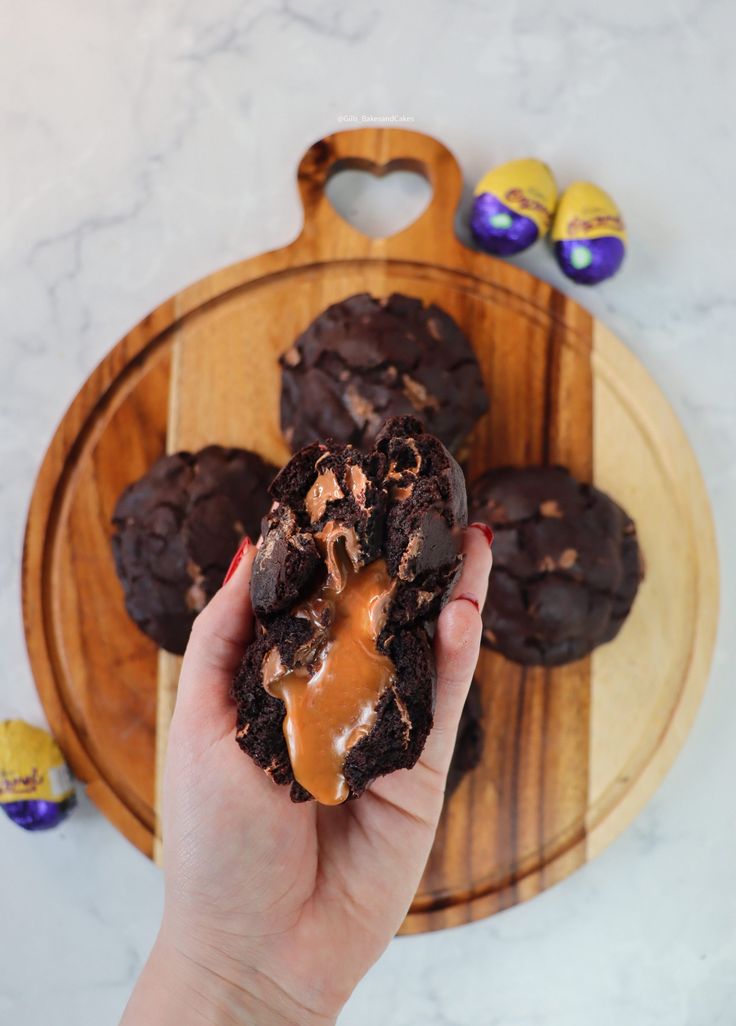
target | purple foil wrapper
[
  {"x": 499, "y": 230},
  {"x": 38, "y": 814},
  {"x": 588, "y": 261}
]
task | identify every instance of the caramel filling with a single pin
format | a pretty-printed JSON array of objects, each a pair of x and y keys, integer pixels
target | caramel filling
[
  {"x": 331, "y": 702},
  {"x": 358, "y": 483},
  {"x": 325, "y": 489},
  {"x": 401, "y": 481}
]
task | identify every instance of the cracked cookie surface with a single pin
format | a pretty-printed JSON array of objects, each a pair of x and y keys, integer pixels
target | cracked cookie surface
[
  {"x": 566, "y": 564},
  {"x": 364, "y": 360},
  {"x": 359, "y": 555},
  {"x": 176, "y": 530}
]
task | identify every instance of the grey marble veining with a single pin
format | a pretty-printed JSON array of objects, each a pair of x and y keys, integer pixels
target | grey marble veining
[{"x": 143, "y": 145}]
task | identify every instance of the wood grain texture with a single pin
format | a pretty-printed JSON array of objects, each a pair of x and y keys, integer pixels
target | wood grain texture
[
  {"x": 169, "y": 667},
  {"x": 647, "y": 687},
  {"x": 563, "y": 768}
]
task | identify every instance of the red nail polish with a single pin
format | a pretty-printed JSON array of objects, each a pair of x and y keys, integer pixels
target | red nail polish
[
  {"x": 468, "y": 598},
  {"x": 485, "y": 529},
  {"x": 242, "y": 549}
]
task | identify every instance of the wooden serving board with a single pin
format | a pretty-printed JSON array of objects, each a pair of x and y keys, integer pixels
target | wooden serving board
[{"x": 571, "y": 754}]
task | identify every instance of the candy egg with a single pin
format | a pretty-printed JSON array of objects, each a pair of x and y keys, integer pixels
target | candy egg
[
  {"x": 588, "y": 233},
  {"x": 513, "y": 206},
  {"x": 36, "y": 787}
]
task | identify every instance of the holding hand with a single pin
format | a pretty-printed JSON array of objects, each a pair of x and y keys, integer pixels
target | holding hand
[{"x": 274, "y": 911}]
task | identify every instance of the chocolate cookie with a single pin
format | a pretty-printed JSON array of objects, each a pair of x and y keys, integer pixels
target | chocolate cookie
[
  {"x": 358, "y": 557},
  {"x": 367, "y": 359},
  {"x": 468, "y": 749},
  {"x": 566, "y": 564},
  {"x": 178, "y": 527}
]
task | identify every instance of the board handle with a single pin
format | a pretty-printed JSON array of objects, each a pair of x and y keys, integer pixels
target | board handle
[{"x": 379, "y": 151}]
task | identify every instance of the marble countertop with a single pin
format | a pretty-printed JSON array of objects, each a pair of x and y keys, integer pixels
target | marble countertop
[{"x": 146, "y": 144}]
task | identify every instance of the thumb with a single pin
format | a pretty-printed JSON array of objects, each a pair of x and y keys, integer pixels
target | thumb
[{"x": 219, "y": 637}]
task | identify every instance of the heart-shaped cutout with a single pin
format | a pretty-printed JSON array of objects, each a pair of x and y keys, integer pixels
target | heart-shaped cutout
[{"x": 378, "y": 203}]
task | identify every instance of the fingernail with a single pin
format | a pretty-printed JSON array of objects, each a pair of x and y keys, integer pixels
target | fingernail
[
  {"x": 468, "y": 598},
  {"x": 242, "y": 549},
  {"x": 485, "y": 529}
]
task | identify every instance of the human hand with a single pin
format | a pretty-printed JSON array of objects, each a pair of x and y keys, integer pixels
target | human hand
[{"x": 274, "y": 910}]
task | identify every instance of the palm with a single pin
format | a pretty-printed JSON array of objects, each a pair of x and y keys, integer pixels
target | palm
[
  {"x": 249, "y": 871},
  {"x": 244, "y": 853}
]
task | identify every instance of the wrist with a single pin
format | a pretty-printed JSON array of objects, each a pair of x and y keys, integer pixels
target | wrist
[{"x": 176, "y": 989}]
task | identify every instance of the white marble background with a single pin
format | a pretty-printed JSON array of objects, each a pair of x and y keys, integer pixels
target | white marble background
[{"x": 144, "y": 143}]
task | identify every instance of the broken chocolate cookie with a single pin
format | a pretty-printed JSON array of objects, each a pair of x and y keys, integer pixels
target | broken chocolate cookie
[
  {"x": 178, "y": 527},
  {"x": 365, "y": 359},
  {"x": 566, "y": 564},
  {"x": 359, "y": 555}
]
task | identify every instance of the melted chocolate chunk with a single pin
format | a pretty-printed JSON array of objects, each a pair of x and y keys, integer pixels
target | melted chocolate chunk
[{"x": 366, "y": 359}]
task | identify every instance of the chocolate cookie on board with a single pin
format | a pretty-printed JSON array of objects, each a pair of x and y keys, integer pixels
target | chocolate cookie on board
[
  {"x": 366, "y": 359},
  {"x": 566, "y": 564},
  {"x": 176, "y": 530},
  {"x": 358, "y": 558}
]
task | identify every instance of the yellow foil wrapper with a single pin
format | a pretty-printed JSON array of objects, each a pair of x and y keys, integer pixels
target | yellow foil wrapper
[
  {"x": 525, "y": 186},
  {"x": 32, "y": 767},
  {"x": 587, "y": 212}
]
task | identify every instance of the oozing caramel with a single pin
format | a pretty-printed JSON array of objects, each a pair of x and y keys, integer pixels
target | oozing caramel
[
  {"x": 325, "y": 489},
  {"x": 331, "y": 704}
]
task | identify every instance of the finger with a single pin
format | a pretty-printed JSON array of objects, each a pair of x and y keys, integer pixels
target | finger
[
  {"x": 218, "y": 640},
  {"x": 477, "y": 562},
  {"x": 457, "y": 643}
]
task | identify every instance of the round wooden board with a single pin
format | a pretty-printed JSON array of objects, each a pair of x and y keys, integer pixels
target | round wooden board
[{"x": 571, "y": 754}]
